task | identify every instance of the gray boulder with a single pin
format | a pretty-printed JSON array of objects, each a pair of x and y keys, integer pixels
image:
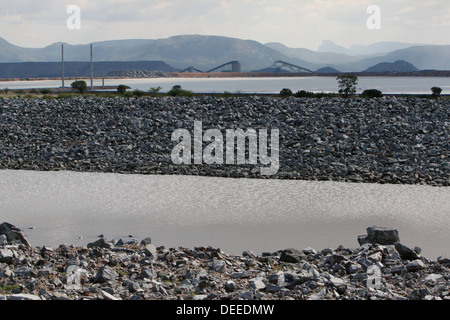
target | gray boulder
[
  {"x": 22, "y": 296},
  {"x": 405, "y": 252},
  {"x": 13, "y": 234},
  {"x": 415, "y": 265},
  {"x": 6, "y": 256},
  {"x": 101, "y": 243},
  {"x": 379, "y": 235},
  {"x": 105, "y": 274},
  {"x": 292, "y": 255}
]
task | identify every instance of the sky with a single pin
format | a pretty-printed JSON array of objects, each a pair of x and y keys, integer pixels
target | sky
[{"x": 295, "y": 23}]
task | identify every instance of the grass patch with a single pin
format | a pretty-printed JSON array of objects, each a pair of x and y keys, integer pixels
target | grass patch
[
  {"x": 46, "y": 91},
  {"x": 8, "y": 288},
  {"x": 67, "y": 95}
]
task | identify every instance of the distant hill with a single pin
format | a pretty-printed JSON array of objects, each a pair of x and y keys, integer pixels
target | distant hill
[
  {"x": 360, "y": 50},
  {"x": 397, "y": 66},
  {"x": 422, "y": 57},
  {"x": 201, "y": 52},
  {"x": 327, "y": 70},
  {"x": 207, "y": 52},
  {"x": 320, "y": 59}
]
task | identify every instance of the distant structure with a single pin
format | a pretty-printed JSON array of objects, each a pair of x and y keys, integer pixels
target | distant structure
[
  {"x": 62, "y": 65},
  {"x": 279, "y": 65},
  {"x": 92, "y": 71},
  {"x": 191, "y": 70},
  {"x": 235, "y": 67}
]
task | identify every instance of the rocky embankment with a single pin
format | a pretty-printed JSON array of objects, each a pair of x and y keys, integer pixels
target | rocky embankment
[
  {"x": 381, "y": 268},
  {"x": 138, "y": 74},
  {"x": 383, "y": 140}
]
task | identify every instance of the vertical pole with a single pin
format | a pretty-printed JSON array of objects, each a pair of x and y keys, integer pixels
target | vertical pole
[
  {"x": 62, "y": 62},
  {"x": 103, "y": 80},
  {"x": 76, "y": 75},
  {"x": 92, "y": 71}
]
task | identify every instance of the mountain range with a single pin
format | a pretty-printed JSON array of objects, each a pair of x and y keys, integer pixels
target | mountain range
[
  {"x": 206, "y": 52},
  {"x": 358, "y": 50}
]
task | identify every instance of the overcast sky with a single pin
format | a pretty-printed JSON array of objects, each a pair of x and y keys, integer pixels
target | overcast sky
[{"x": 295, "y": 23}]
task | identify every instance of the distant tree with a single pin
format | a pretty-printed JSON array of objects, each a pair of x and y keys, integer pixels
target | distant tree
[
  {"x": 154, "y": 90},
  {"x": 436, "y": 92},
  {"x": 286, "y": 92},
  {"x": 80, "y": 86},
  {"x": 347, "y": 84},
  {"x": 121, "y": 88}
]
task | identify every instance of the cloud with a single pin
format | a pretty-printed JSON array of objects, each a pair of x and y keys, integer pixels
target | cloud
[{"x": 296, "y": 23}]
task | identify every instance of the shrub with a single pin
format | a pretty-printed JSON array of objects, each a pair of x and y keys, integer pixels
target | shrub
[
  {"x": 372, "y": 93},
  {"x": 436, "y": 92},
  {"x": 80, "y": 86},
  {"x": 286, "y": 92},
  {"x": 303, "y": 94},
  {"x": 138, "y": 93},
  {"x": 121, "y": 88},
  {"x": 34, "y": 91},
  {"x": 176, "y": 91},
  {"x": 128, "y": 94}
]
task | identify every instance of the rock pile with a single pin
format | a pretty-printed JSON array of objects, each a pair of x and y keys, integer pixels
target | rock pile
[
  {"x": 382, "y": 140},
  {"x": 138, "y": 74},
  {"x": 133, "y": 270}
]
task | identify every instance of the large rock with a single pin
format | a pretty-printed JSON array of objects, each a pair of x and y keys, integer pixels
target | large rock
[
  {"x": 13, "y": 234},
  {"x": 379, "y": 235},
  {"x": 292, "y": 255},
  {"x": 106, "y": 274},
  {"x": 6, "y": 256},
  {"x": 405, "y": 252},
  {"x": 22, "y": 296},
  {"x": 101, "y": 243}
]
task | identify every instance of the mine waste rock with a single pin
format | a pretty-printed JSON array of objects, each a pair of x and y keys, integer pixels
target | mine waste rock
[
  {"x": 126, "y": 269},
  {"x": 13, "y": 234},
  {"x": 379, "y": 235}
]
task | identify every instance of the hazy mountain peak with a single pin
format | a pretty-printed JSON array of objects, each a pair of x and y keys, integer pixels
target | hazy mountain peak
[
  {"x": 371, "y": 49},
  {"x": 330, "y": 46}
]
